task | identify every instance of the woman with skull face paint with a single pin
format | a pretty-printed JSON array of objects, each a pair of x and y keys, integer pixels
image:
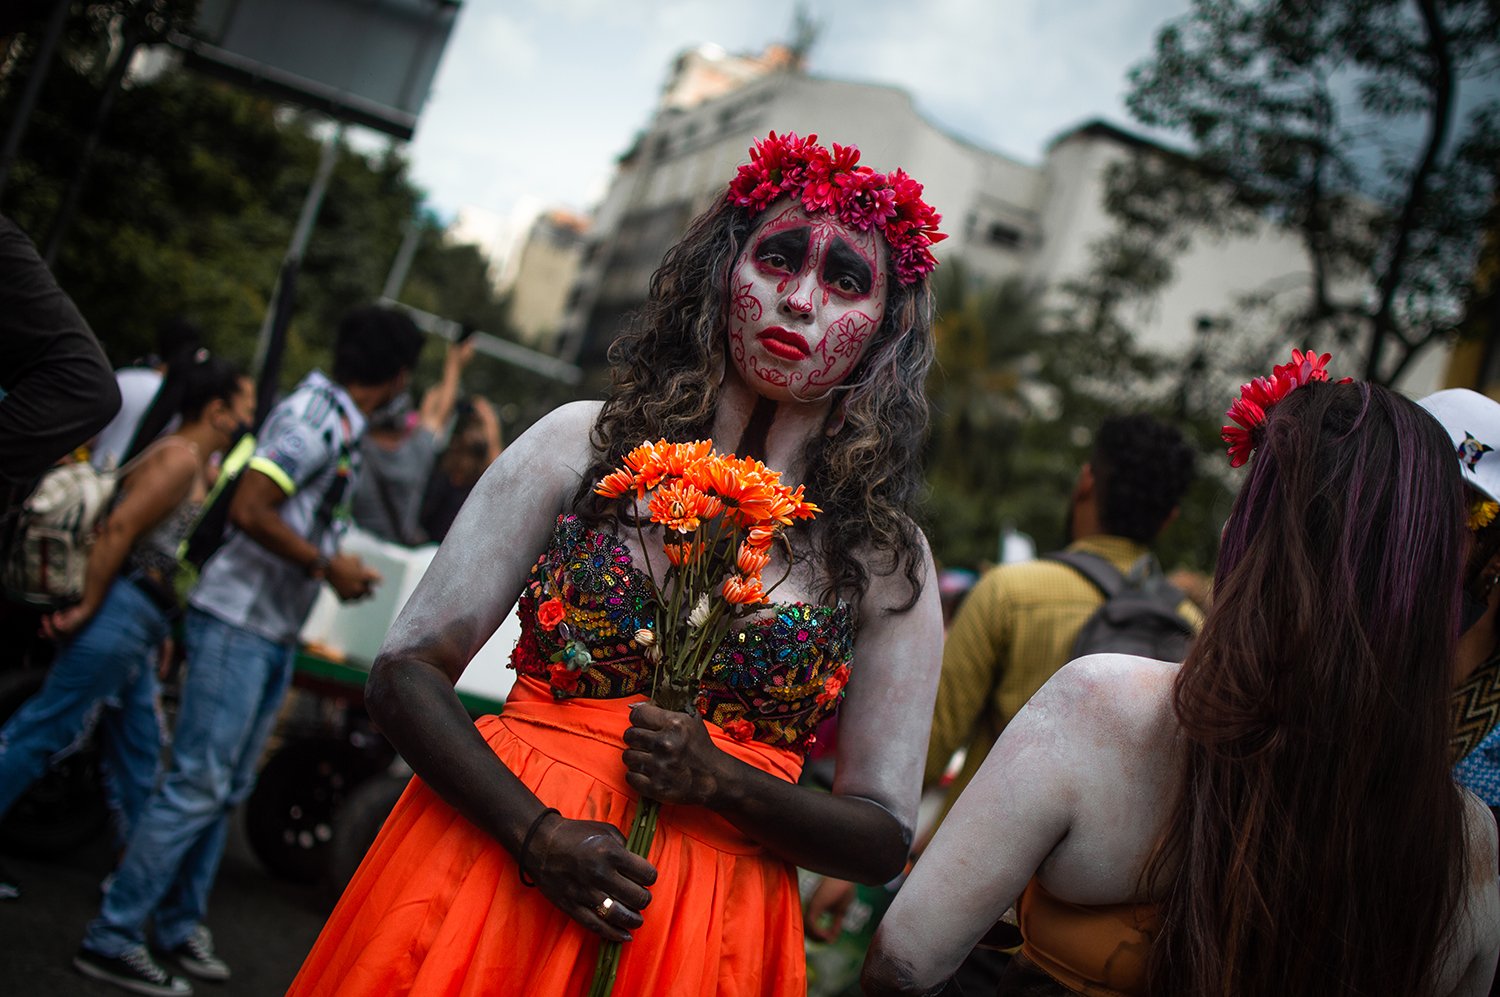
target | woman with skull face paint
[{"x": 793, "y": 324}]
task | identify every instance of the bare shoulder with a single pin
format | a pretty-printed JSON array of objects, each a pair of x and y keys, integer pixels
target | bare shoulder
[
  {"x": 1484, "y": 842},
  {"x": 889, "y": 585},
  {"x": 169, "y": 462},
  {"x": 1468, "y": 970},
  {"x": 559, "y": 438},
  {"x": 1112, "y": 693},
  {"x": 568, "y": 425}
]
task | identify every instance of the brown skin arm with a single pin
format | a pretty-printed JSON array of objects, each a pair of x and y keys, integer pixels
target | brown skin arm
[
  {"x": 256, "y": 511},
  {"x": 671, "y": 758},
  {"x": 437, "y": 404},
  {"x": 490, "y": 426},
  {"x": 149, "y": 495},
  {"x": 882, "y": 746},
  {"x": 458, "y": 605}
]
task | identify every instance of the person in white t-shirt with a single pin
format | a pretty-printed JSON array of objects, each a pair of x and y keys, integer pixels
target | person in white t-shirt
[{"x": 139, "y": 385}]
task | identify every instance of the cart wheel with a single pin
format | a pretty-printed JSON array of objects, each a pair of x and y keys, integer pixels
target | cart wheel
[
  {"x": 289, "y": 818},
  {"x": 356, "y": 826},
  {"x": 66, "y": 807}
]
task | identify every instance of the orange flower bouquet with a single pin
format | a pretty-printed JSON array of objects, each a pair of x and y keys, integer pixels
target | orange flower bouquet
[{"x": 721, "y": 514}]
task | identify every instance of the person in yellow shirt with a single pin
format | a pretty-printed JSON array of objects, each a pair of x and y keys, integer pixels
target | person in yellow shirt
[{"x": 1018, "y": 624}]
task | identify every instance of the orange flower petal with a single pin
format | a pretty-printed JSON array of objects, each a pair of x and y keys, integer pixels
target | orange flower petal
[{"x": 743, "y": 591}]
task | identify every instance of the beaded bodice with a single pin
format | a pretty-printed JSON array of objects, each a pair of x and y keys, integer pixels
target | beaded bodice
[{"x": 773, "y": 681}]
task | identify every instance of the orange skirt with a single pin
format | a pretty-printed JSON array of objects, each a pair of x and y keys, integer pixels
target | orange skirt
[{"x": 436, "y": 907}]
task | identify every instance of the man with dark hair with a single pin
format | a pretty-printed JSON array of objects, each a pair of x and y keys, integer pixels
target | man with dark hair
[
  {"x": 1018, "y": 624},
  {"x": 289, "y": 511}
]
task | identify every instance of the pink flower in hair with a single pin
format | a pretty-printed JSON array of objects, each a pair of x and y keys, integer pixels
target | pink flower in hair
[
  {"x": 867, "y": 201},
  {"x": 834, "y": 182}
]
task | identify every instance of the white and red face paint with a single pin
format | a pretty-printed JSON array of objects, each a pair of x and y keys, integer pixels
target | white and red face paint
[{"x": 806, "y": 295}]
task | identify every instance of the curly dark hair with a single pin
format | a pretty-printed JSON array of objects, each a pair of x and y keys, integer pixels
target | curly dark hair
[
  {"x": 867, "y": 477},
  {"x": 1142, "y": 468},
  {"x": 374, "y": 344}
]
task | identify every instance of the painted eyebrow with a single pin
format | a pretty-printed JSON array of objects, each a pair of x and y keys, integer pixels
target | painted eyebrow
[
  {"x": 843, "y": 258},
  {"x": 791, "y": 243}
]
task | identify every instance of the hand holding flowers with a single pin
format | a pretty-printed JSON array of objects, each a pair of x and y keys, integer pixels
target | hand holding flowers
[{"x": 721, "y": 516}]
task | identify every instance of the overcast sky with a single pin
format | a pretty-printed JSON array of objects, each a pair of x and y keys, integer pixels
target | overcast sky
[{"x": 533, "y": 101}]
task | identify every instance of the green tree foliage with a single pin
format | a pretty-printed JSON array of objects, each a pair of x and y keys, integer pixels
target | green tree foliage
[
  {"x": 190, "y": 202},
  {"x": 1369, "y": 128}
]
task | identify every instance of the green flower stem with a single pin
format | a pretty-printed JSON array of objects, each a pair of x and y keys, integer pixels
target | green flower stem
[
  {"x": 684, "y": 654},
  {"x": 638, "y": 842}
]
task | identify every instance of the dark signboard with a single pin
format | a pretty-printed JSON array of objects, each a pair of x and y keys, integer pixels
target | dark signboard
[{"x": 368, "y": 62}]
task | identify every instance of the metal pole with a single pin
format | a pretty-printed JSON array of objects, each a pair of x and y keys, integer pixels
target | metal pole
[
  {"x": 300, "y": 235},
  {"x": 272, "y": 341},
  {"x": 396, "y": 279},
  {"x": 39, "y": 66}
]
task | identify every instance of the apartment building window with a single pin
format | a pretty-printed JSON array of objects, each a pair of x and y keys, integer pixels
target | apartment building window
[{"x": 1001, "y": 234}]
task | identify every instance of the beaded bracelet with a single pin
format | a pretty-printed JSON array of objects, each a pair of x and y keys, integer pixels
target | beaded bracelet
[{"x": 526, "y": 844}]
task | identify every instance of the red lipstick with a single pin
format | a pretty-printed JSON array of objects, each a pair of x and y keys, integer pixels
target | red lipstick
[{"x": 784, "y": 343}]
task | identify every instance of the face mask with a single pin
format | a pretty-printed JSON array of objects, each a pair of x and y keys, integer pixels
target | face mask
[{"x": 392, "y": 415}]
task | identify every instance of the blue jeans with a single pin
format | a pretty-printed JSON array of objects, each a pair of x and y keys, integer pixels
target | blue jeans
[
  {"x": 235, "y": 683},
  {"x": 105, "y": 675}
]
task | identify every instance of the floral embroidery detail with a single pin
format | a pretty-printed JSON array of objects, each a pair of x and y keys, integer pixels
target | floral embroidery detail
[
  {"x": 740, "y": 730},
  {"x": 562, "y": 677},
  {"x": 771, "y": 680},
  {"x": 834, "y": 687},
  {"x": 550, "y": 613}
]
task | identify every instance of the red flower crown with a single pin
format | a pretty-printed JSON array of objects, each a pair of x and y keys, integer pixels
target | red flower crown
[
  {"x": 1254, "y": 404},
  {"x": 834, "y": 182}
]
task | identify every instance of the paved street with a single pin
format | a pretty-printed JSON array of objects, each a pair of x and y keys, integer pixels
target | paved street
[{"x": 262, "y": 926}]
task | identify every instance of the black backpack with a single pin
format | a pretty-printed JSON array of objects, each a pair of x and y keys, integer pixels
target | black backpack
[
  {"x": 209, "y": 530},
  {"x": 1139, "y": 615}
]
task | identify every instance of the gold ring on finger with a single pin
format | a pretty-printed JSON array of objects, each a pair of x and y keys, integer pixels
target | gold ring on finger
[{"x": 604, "y": 907}]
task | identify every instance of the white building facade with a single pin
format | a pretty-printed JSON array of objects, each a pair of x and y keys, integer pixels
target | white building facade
[{"x": 1003, "y": 217}]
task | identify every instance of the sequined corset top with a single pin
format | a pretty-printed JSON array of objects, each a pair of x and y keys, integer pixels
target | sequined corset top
[{"x": 773, "y": 681}]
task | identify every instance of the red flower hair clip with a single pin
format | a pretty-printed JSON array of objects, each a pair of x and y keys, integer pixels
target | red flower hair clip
[
  {"x": 836, "y": 183},
  {"x": 1253, "y": 405}
]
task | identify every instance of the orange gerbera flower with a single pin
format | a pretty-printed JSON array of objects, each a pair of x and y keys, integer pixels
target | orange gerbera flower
[
  {"x": 656, "y": 462},
  {"x": 760, "y": 537},
  {"x": 788, "y": 504},
  {"x": 743, "y": 591},
  {"x": 751, "y": 560},
  {"x": 742, "y": 486},
  {"x": 681, "y": 507},
  {"x": 615, "y": 483},
  {"x": 683, "y": 553},
  {"x": 637, "y": 458},
  {"x": 804, "y": 509}
]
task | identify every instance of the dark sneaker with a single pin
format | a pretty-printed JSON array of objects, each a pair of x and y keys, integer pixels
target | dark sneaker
[
  {"x": 196, "y": 957},
  {"x": 132, "y": 970}
]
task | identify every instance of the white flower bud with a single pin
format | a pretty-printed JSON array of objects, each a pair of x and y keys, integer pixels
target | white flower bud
[{"x": 699, "y": 616}]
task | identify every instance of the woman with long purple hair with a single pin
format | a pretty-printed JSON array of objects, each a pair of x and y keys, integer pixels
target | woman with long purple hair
[{"x": 1275, "y": 816}]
